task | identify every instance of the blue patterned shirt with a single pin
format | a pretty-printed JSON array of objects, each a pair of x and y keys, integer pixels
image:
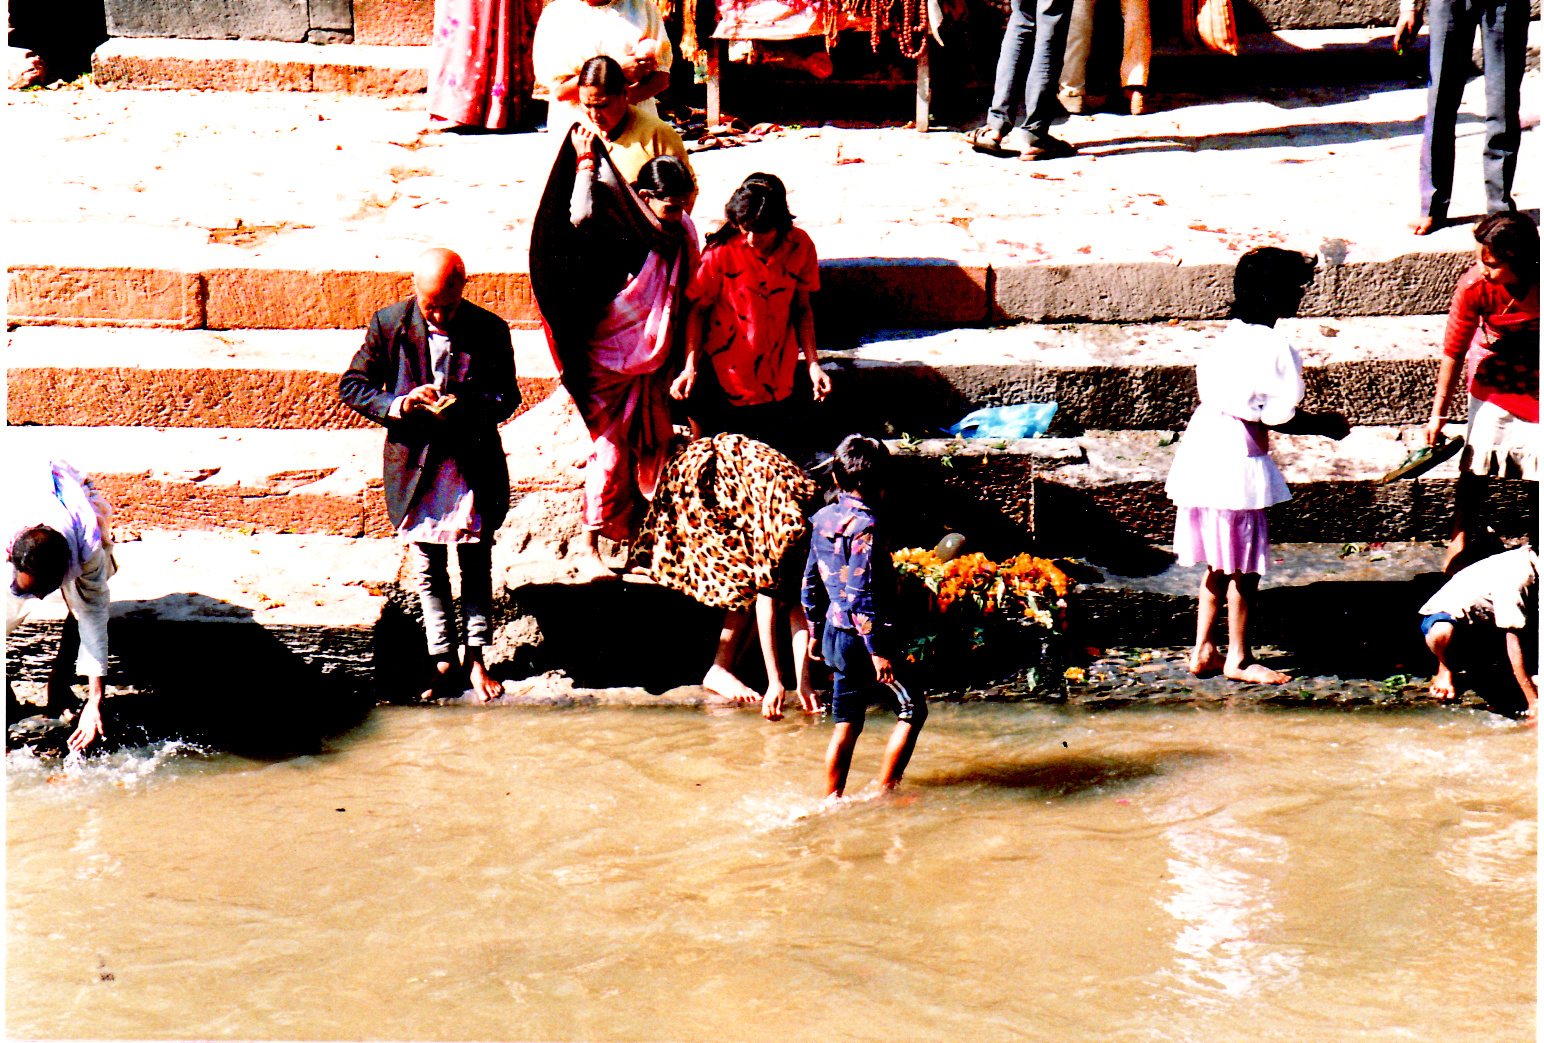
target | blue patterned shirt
[{"x": 849, "y": 579}]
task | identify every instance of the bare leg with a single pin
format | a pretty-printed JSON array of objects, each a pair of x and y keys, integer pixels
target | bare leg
[
  {"x": 1519, "y": 665},
  {"x": 1205, "y": 658},
  {"x": 809, "y": 702},
  {"x": 441, "y": 678},
  {"x": 1467, "y": 499},
  {"x": 903, "y": 740},
  {"x": 1437, "y": 639},
  {"x": 719, "y": 679},
  {"x": 1240, "y": 664},
  {"x": 766, "y": 630},
  {"x": 483, "y": 683},
  {"x": 839, "y": 756}
]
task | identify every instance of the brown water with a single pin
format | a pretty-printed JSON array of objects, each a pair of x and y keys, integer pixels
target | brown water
[{"x": 1045, "y": 874}]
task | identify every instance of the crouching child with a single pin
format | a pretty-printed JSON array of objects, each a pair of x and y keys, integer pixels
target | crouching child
[
  {"x": 1486, "y": 616},
  {"x": 849, "y": 587}
]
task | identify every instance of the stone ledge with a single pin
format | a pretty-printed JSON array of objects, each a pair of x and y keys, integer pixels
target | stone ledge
[{"x": 250, "y": 65}]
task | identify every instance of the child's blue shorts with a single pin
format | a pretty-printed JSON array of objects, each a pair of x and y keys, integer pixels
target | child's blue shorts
[
  {"x": 854, "y": 686},
  {"x": 1427, "y": 622}
]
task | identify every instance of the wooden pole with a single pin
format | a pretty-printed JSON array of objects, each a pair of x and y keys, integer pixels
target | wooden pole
[
  {"x": 924, "y": 87},
  {"x": 715, "y": 101}
]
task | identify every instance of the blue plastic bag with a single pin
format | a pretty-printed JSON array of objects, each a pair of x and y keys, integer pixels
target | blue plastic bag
[{"x": 1026, "y": 420}]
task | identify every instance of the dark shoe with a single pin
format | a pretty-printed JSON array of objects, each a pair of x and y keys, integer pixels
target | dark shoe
[
  {"x": 1047, "y": 147},
  {"x": 988, "y": 142}
]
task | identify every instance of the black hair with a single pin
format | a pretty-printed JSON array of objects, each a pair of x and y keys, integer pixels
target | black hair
[
  {"x": 1514, "y": 239},
  {"x": 760, "y": 204},
  {"x": 665, "y": 176},
  {"x": 605, "y": 72},
  {"x": 859, "y": 465},
  {"x": 43, "y": 554},
  {"x": 1268, "y": 283}
]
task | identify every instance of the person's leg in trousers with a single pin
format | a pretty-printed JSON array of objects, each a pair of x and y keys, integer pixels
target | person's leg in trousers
[
  {"x": 476, "y": 560},
  {"x": 429, "y": 561},
  {"x": 1052, "y": 18},
  {"x": 1504, "y": 41},
  {"x": 1452, "y": 37}
]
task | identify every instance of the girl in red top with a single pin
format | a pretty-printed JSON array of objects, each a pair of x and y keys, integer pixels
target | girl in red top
[
  {"x": 751, "y": 320},
  {"x": 1494, "y": 321}
]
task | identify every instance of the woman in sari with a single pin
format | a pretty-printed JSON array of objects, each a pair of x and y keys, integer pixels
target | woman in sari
[
  {"x": 609, "y": 267},
  {"x": 480, "y": 63}
]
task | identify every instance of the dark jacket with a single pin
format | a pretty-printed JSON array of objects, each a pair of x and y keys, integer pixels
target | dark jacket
[{"x": 395, "y": 359}]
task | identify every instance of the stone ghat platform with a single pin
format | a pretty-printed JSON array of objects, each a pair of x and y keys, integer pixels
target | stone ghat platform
[
  {"x": 137, "y": 214},
  {"x": 1099, "y": 489},
  {"x": 320, "y": 628}
]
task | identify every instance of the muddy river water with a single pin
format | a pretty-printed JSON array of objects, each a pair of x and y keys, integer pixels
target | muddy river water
[{"x": 1046, "y": 873}]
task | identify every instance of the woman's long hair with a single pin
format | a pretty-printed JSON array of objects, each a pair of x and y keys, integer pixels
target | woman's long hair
[{"x": 760, "y": 204}]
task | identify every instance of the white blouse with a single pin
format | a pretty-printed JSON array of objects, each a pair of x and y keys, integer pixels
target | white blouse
[{"x": 1249, "y": 379}]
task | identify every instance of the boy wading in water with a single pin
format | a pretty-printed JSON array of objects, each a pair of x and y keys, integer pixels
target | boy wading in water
[
  {"x": 848, "y": 581},
  {"x": 1250, "y": 382}
]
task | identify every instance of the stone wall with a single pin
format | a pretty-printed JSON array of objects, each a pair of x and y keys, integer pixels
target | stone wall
[{"x": 294, "y": 21}]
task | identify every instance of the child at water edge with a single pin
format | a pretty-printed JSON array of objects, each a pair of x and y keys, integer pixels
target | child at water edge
[
  {"x": 1487, "y": 613},
  {"x": 848, "y": 585},
  {"x": 1250, "y": 382}
]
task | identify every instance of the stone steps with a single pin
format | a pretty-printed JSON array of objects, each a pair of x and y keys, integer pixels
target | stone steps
[
  {"x": 259, "y": 65},
  {"x": 1373, "y": 370},
  {"x": 1101, "y": 496},
  {"x": 146, "y": 377},
  {"x": 333, "y": 280}
]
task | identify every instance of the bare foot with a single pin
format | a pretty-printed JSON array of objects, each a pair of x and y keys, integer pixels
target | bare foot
[
  {"x": 589, "y": 567},
  {"x": 1423, "y": 225},
  {"x": 1254, "y": 673},
  {"x": 1205, "y": 660},
  {"x": 440, "y": 685},
  {"x": 1442, "y": 684},
  {"x": 483, "y": 683},
  {"x": 728, "y": 687}
]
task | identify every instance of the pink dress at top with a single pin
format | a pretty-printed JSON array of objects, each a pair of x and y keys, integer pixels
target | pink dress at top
[
  {"x": 628, "y": 406},
  {"x": 480, "y": 68},
  {"x": 1223, "y": 478}
]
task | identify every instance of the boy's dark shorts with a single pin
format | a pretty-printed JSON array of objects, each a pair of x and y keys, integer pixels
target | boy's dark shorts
[
  {"x": 854, "y": 686},
  {"x": 1427, "y": 622}
]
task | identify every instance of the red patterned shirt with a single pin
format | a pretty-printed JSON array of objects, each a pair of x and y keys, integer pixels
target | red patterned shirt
[
  {"x": 1500, "y": 336},
  {"x": 748, "y": 336}
]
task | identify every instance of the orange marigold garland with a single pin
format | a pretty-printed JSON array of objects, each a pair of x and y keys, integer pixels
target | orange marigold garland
[{"x": 972, "y": 593}]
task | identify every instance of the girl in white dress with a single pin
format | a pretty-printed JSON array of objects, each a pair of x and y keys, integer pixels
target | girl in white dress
[{"x": 1222, "y": 478}]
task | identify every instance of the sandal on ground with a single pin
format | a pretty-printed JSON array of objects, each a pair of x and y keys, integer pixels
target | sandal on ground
[
  {"x": 987, "y": 142},
  {"x": 1049, "y": 148}
]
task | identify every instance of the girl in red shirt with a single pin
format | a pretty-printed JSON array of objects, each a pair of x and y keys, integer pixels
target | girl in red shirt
[
  {"x": 1494, "y": 322},
  {"x": 751, "y": 320}
]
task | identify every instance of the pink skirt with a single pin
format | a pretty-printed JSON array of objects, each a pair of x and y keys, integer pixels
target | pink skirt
[{"x": 1228, "y": 541}]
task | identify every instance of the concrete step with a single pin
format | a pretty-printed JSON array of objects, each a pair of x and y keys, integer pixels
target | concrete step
[
  {"x": 128, "y": 276},
  {"x": 285, "y": 480},
  {"x": 322, "y": 598},
  {"x": 1372, "y": 370},
  {"x": 1100, "y": 495},
  {"x": 146, "y": 377},
  {"x": 1332, "y": 611},
  {"x": 259, "y": 65}
]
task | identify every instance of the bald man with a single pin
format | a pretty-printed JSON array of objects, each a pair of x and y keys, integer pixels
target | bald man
[{"x": 438, "y": 373}]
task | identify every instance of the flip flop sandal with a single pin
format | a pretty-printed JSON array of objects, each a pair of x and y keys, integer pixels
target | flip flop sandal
[
  {"x": 1424, "y": 459},
  {"x": 984, "y": 141}
]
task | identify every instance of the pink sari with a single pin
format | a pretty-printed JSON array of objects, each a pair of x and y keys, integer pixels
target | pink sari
[
  {"x": 480, "y": 73},
  {"x": 628, "y": 408}
]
